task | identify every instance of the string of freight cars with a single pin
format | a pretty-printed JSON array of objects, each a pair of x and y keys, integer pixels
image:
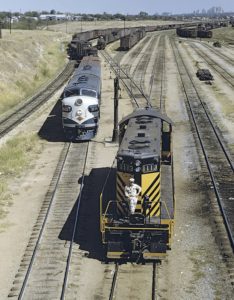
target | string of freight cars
[
  {"x": 81, "y": 44},
  {"x": 199, "y": 30}
]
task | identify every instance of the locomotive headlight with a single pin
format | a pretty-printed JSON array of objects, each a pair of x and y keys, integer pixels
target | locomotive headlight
[
  {"x": 78, "y": 102},
  {"x": 79, "y": 113},
  {"x": 137, "y": 170}
]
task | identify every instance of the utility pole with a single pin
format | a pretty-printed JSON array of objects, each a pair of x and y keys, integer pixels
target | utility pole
[
  {"x": 116, "y": 104},
  {"x": 0, "y": 29},
  {"x": 10, "y": 22}
]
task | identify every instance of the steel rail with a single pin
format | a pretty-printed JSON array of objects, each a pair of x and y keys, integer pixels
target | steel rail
[
  {"x": 143, "y": 63},
  {"x": 118, "y": 70},
  {"x": 214, "y": 127},
  {"x": 159, "y": 68},
  {"x": 114, "y": 281},
  {"x": 154, "y": 282},
  {"x": 213, "y": 64},
  {"x": 65, "y": 281},
  {"x": 211, "y": 48},
  {"x": 24, "y": 109},
  {"x": 209, "y": 167},
  {"x": 66, "y": 151}
]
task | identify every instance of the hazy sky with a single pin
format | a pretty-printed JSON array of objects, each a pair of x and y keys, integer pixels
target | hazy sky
[{"x": 114, "y": 6}]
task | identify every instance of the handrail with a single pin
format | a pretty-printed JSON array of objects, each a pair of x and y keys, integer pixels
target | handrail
[
  {"x": 111, "y": 201},
  {"x": 163, "y": 202}
]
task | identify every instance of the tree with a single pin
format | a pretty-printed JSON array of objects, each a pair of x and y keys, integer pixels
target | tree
[
  {"x": 31, "y": 14},
  {"x": 143, "y": 14}
]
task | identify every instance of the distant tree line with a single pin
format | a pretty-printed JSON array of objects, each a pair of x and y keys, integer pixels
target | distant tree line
[{"x": 32, "y": 19}]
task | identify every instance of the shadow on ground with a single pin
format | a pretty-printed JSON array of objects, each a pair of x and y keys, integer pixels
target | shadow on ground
[
  {"x": 52, "y": 129},
  {"x": 88, "y": 229}
]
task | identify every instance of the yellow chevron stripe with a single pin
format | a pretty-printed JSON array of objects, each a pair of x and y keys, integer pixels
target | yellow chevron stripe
[
  {"x": 155, "y": 211},
  {"x": 122, "y": 180},
  {"x": 149, "y": 183},
  {"x": 120, "y": 193},
  {"x": 155, "y": 193},
  {"x": 146, "y": 181},
  {"x": 152, "y": 209}
]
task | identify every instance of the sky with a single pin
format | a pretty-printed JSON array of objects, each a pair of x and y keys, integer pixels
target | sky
[{"x": 114, "y": 6}]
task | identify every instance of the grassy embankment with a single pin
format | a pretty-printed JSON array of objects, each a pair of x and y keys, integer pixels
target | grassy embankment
[
  {"x": 15, "y": 156},
  {"x": 29, "y": 59},
  {"x": 224, "y": 34}
]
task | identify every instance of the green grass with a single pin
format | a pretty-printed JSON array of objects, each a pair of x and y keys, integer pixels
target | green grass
[
  {"x": 15, "y": 157},
  {"x": 224, "y": 34},
  {"x": 29, "y": 59},
  {"x": 15, "y": 154}
]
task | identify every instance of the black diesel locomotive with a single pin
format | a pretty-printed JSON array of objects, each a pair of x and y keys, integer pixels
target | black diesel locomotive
[{"x": 145, "y": 155}]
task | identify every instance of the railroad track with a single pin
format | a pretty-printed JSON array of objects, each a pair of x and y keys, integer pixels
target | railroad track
[
  {"x": 134, "y": 86},
  {"x": 216, "y": 51},
  {"x": 139, "y": 72},
  {"x": 213, "y": 64},
  {"x": 137, "y": 49},
  {"x": 218, "y": 160},
  {"x": 44, "y": 269},
  {"x": 157, "y": 81},
  {"x": 124, "y": 77},
  {"x": 132, "y": 282},
  {"x": 24, "y": 109}
]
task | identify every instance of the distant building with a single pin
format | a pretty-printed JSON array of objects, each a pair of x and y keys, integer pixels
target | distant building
[{"x": 55, "y": 17}]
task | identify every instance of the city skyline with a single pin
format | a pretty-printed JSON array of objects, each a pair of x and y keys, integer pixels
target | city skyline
[{"x": 111, "y": 6}]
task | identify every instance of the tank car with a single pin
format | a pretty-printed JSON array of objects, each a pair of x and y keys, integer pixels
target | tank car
[
  {"x": 81, "y": 100},
  {"x": 144, "y": 155}
]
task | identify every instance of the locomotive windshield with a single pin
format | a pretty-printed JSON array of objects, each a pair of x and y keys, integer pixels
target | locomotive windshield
[
  {"x": 90, "y": 93},
  {"x": 71, "y": 92}
]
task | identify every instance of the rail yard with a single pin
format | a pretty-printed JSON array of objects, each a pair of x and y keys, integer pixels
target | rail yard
[{"x": 60, "y": 254}]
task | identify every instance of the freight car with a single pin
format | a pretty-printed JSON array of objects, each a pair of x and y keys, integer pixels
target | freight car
[
  {"x": 128, "y": 41},
  {"x": 101, "y": 43},
  {"x": 81, "y": 101},
  {"x": 144, "y": 155},
  {"x": 187, "y": 32},
  {"x": 204, "y": 33},
  {"x": 80, "y": 48}
]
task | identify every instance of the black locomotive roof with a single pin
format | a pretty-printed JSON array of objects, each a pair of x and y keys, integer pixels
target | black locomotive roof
[
  {"x": 85, "y": 81},
  {"x": 86, "y": 76},
  {"x": 142, "y": 138},
  {"x": 148, "y": 111},
  {"x": 89, "y": 65}
]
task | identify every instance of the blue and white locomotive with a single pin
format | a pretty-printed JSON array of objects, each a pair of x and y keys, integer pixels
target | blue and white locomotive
[{"x": 81, "y": 100}]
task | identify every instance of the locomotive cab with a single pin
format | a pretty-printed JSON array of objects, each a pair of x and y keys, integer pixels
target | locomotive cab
[{"x": 145, "y": 155}]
